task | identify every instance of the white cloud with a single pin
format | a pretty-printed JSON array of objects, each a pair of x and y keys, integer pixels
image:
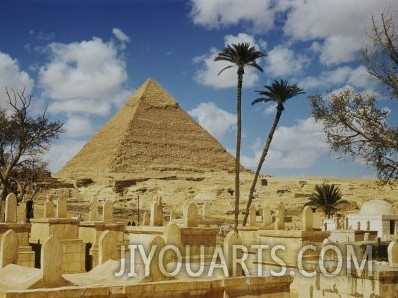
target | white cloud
[
  {"x": 312, "y": 19},
  {"x": 208, "y": 73},
  {"x": 215, "y": 120},
  {"x": 60, "y": 154},
  {"x": 298, "y": 146},
  {"x": 270, "y": 109},
  {"x": 120, "y": 35},
  {"x": 339, "y": 27},
  {"x": 340, "y": 76},
  {"x": 77, "y": 127},
  {"x": 83, "y": 76},
  {"x": 339, "y": 49},
  {"x": 221, "y": 13},
  {"x": 281, "y": 61},
  {"x": 12, "y": 77}
]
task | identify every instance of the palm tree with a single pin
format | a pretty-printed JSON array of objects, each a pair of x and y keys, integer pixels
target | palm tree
[
  {"x": 278, "y": 92},
  {"x": 239, "y": 55},
  {"x": 328, "y": 197}
]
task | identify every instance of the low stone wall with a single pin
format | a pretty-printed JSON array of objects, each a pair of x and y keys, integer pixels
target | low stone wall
[{"x": 265, "y": 287}]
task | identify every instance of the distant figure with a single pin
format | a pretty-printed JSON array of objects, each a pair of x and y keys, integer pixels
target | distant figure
[
  {"x": 129, "y": 223},
  {"x": 133, "y": 224},
  {"x": 29, "y": 210}
]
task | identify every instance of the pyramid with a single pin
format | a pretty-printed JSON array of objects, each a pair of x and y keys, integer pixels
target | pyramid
[{"x": 149, "y": 133}]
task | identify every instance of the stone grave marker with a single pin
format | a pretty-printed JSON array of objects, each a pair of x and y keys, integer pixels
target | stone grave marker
[
  {"x": 307, "y": 219},
  {"x": 9, "y": 248},
  {"x": 190, "y": 215},
  {"x": 252, "y": 217},
  {"x": 62, "y": 207},
  {"x": 157, "y": 216},
  {"x": 49, "y": 208},
  {"x": 145, "y": 219},
  {"x": 392, "y": 251},
  {"x": 93, "y": 213},
  {"x": 267, "y": 217},
  {"x": 206, "y": 210},
  {"x": 11, "y": 208},
  {"x": 172, "y": 236},
  {"x": 230, "y": 244},
  {"x": 51, "y": 261},
  {"x": 106, "y": 247},
  {"x": 107, "y": 211}
]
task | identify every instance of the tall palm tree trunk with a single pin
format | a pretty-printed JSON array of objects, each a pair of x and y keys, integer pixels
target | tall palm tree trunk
[
  {"x": 238, "y": 143},
  {"x": 261, "y": 162}
]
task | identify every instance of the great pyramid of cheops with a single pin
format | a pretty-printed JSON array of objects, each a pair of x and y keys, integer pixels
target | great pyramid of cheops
[{"x": 149, "y": 133}]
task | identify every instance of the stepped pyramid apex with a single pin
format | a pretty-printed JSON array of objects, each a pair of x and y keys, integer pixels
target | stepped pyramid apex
[
  {"x": 149, "y": 133},
  {"x": 153, "y": 95}
]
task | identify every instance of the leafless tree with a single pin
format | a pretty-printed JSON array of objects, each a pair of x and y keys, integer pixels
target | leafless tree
[{"x": 23, "y": 139}]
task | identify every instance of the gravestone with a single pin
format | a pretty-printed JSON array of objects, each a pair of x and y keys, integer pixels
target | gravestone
[
  {"x": 2, "y": 211},
  {"x": 154, "y": 244},
  {"x": 172, "y": 236},
  {"x": 206, "y": 210},
  {"x": 329, "y": 254},
  {"x": 93, "y": 213},
  {"x": 49, "y": 208},
  {"x": 157, "y": 217},
  {"x": 145, "y": 219},
  {"x": 281, "y": 211},
  {"x": 280, "y": 220},
  {"x": 231, "y": 242},
  {"x": 252, "y": 217},
  {"x": 51, "y": 261},
  {"x": 107, "y": 211},
  {"x": 62, "y": 208},
  {"x": 190, "y": 215},
  {"x": 11, "y": 209},
  {"x": 307, "y": 219},
  {"x": 392, "y": 251},
  {"x": 279, "y": 224},
  {"x": 267, "y": 217},
  {"x": 8, "y": 248},
  {"x": 106, "y": 247}
]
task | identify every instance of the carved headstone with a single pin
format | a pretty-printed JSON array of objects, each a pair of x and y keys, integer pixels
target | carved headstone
[
  {"x": 49, "y": 208},
  {"x": 252, "y": 217},
  {"x": 392, "y": 251},
  {"x": 145, "y": 219},
  {"x": 93, "y": 213},
  {"x": 190, "y": 215},
  {"x": 61, "y": 208},
  {"x": 107, "y": 247},
  {"x": 157, "y": 217},
  {"x": 11, "y": 208},
  {"x": 230, "y": 244},
  {"x": 279, "y": 224},
  {"x": 206, "y": 210},
  {"x": 107, "y": 211},
  {"x": 152, "y": 244},
  {"x": 51, "y": 261},
  {"x": 8, "y": 248},
  {"x": 307, "y": 219},
  {"x": 267, "y": 218},
  {"x": 172, "y": 236}
]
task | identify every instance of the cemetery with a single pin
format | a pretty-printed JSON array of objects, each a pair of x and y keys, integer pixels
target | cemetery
[{"x": 133, "y": 219}]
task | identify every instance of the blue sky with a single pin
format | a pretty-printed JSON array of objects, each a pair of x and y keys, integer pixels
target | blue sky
[{"x": 83, "y": 59}]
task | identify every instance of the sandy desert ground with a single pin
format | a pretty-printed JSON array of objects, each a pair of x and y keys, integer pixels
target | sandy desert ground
[{"x": 217, "y": 189}]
